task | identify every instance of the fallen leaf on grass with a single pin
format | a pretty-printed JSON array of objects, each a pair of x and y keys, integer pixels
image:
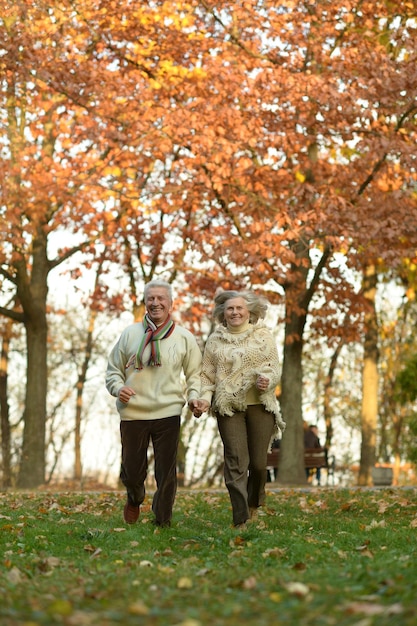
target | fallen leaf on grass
[
  {"x": 165, "y": 569},
  {"x": 277, "y": 552},
  {"x": 203, "y": 572},
  {"x": 375, "y": 524},
  {"x": 383, "y": 506},
  {"x": 347, "y": 506},
  {"x": 260, "y": 524},
  {"x": 374, "y": 609},
  {"x": 249, "y": 583},
  {"x": 303, "y": 504},
  {"x": 184, "y": 583},
  {"x": 238, "y": 552},
  {"x": 60, "y": 607},
  {"x": 237, "y": 541},
  {"x": 81, "y": 618},
  {"x": 89, "y": 548},
  {"x": 275, "y": 596},
  {"x": 15, "y": 576},
  {"x": 48, "y": 564},
  {"x": 297, "y": 589},
  {"x": 167, "y": 552},
  {"x": 365, "y": 551},
  {"x": 138, "y": 608},
  {"x": 96, "y": 553}
]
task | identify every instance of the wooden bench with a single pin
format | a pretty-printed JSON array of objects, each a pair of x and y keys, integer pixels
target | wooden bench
[{"x": 314, "y": 458}]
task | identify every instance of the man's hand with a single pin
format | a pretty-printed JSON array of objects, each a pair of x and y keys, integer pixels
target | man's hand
[
  {"x": 198, "y": 407},
  {"x": 125, "y": 394}
]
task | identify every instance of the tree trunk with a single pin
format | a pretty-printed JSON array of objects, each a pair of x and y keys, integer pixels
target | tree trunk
[
  {"x": 298, "y": 295},
  {"x": 32, "y": 294},
  {"x": 4, "y": 409},
  {"x": 369, "y": 414},
  {"x": 32, "y": 464},
  {"x": 291, "y": 467},
  {"x": 82, "y": 377},
  {"x": 328, "y": 387}
]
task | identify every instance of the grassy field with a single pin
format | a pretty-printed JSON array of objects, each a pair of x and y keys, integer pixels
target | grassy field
[{"x": 317, "y": 556}]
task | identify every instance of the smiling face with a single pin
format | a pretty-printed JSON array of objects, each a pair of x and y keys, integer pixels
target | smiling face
[
  {"x": 236, "y": 312},
  {"x": 158, "y": 304}
]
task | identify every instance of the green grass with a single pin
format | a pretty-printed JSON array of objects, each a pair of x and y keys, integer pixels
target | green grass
[{"x": 329, "y": 557}]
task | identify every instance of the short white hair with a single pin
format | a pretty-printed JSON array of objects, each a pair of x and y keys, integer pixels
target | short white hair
[{"x": 163, "y": 284}]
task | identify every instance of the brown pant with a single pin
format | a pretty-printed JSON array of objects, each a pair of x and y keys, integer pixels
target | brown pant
[
  {"x": 246, "y": 436},
  {"x": 136, "y": 436}
]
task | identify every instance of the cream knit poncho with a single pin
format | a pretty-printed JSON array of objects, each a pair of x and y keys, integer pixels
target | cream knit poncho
[{"x": 232, "y": 362}]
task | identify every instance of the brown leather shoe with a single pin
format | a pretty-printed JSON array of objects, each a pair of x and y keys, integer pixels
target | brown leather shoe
[{"x": 131, "y": 513}]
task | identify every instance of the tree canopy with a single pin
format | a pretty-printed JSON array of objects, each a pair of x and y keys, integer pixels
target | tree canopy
[{"x": 254, "y": 142}]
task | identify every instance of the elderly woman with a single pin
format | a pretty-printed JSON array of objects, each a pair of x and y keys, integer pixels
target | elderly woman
[{"x": 240, "y": 372}]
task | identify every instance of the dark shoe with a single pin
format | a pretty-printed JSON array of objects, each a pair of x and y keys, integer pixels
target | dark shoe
[
  {"x": 161, "y": 524},
  {"x": 131, "y": 513}
]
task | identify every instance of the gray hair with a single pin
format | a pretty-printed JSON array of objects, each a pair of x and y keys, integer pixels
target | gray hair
[
  {"x": 257, "y": 305},
  {"x": 163, "y": 284}
]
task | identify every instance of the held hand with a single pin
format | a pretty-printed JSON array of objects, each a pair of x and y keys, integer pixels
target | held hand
[
  {"x": 262, "y": 383},
  {"x": 198, "y": 407},
  {"x": 125, "y": 394}
]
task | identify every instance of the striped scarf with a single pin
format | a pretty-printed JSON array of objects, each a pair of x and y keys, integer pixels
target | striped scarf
[{"x": 153, "y": 335}]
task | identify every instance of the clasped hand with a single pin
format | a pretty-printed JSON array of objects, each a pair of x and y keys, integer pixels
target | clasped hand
[{"x": 198, "y": 407}]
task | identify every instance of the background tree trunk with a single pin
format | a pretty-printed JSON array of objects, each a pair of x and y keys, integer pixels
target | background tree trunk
[
  {"x": 32, "y": 294},
  {"x": 369, "y": 414},
  {"x": 4, "y": 408},
  {"x": 291, "y": 468}
]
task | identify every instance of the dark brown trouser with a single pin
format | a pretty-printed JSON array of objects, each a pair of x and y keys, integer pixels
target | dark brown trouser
[
  {"x": 135, "y": 437},
  {"x": 246, "y": 436}
]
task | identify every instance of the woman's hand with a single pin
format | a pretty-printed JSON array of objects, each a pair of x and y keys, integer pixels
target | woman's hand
[
  {"x": 198, "y": 407},
  {"x": 262, "y": 383}
]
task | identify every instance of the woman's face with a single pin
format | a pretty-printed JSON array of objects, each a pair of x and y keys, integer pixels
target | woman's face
[{"x": 236, "y": 312}]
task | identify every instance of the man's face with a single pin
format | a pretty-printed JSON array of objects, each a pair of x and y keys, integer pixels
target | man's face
[{"x": 158, "y": 305}]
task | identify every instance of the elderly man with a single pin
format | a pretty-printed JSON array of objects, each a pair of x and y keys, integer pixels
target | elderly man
[{"x": 144, "y": 373}]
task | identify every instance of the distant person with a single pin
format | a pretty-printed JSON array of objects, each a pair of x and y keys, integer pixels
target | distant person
[
  {"x": 275, "y": 445},
  {"x": 239, "y": 375},
  {"x": 144, "y": 373},
  {"x": 311, "y": 440}
]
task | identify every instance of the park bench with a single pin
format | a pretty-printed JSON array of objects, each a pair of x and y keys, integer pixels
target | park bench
[{"x": 313, "y": 458}]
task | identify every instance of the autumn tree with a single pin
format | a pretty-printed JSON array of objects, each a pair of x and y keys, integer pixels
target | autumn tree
[
  {"x": 317, "y": 150},
  {"x": 79, "y": 158},
  {"x": 47, "y": 169}
]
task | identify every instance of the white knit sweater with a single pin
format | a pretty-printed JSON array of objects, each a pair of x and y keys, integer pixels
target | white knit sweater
[
  {"x": 232, "y": 362},
  {"x": 160, "y": 390}
]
